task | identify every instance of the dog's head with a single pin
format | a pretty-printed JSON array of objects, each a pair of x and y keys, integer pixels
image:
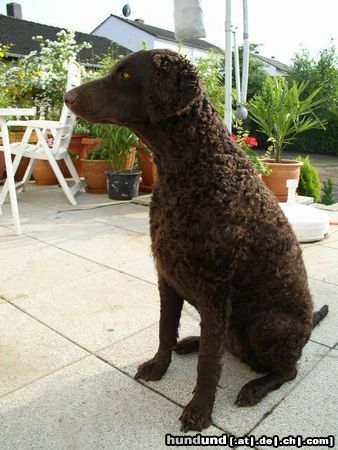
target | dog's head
[{"x": 146, "y": 85}]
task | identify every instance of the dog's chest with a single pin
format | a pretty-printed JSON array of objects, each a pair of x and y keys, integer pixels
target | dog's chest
[{"x": 177, "y": 246}]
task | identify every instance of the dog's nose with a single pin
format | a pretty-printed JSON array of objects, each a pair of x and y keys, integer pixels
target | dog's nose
[{"x": 70, "y": 98}]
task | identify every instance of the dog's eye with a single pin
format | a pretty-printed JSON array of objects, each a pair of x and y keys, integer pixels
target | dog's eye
[{"x": 125, "y": 75}]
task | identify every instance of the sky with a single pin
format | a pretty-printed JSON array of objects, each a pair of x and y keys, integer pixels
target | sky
[{"x": 281, "y": 26}]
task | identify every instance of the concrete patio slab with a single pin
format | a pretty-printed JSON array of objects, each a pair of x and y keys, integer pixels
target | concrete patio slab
[
  {"x": 29, "y": 350},
  {"x": 321, "y": 263},
  {"x": 331, "y": 240},
  {"x": 88, "y": 405},
  {"x": 143, "y": 268},
  {"x": 101, "y": 295},
  {"x": 325, "y": 294},
  {"x": 99, "y": 242},
  {"x": 128, "y": 216},
  {"x": 54, "y": 197},
  {"x": 180, "y": 379},
  {"x": 98, "y": 310},
  {"x": 31, "y": 266},
  {"x": 311, "y": 409}
]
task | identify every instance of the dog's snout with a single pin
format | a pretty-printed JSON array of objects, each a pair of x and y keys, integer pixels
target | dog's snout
[{"x": 70, "y": 98}]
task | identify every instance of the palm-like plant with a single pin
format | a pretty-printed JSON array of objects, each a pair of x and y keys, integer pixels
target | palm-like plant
[
  {"x": 282, "y": 113},
  {"x": 115, "y": 145}
]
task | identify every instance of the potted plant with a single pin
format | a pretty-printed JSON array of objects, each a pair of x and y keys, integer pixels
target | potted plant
[
  {"x": 246, "y": 143},
  {"x": 147, "y": 167},
  {"x": 281, "y": 113},
  {"x": 113, "y": 149}
]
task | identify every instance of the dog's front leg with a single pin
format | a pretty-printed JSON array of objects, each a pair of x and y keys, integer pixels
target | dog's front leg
[
  {"x": 171, "y": 307},
  {"x": 197, "y": 414}
]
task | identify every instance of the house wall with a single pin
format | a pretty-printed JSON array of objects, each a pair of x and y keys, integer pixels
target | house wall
[
  {"x": 133, "y": 38},
  {"x": 124, "y": 34},
  {"x": 190, "y": 52},
  {"x": 273, "y": 71}
]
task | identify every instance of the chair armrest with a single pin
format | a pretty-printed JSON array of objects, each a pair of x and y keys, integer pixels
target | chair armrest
[{"x": 50, "y": 124}]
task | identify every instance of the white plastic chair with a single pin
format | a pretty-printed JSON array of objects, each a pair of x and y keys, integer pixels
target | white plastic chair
[
  {"x": 4, "y": 114},
  {"x": 61, "y": 131}
]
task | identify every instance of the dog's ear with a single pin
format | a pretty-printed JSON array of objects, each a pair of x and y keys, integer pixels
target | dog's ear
[{"x": 174, "y": 85}]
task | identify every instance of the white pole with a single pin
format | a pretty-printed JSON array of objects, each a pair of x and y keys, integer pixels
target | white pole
[
  {"x": 237, "y": 72},
  {"x": 245, "y": 69},
  {"x": 228, "y": 58}
]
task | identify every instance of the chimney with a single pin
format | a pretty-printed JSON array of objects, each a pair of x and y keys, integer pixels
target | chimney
[
  {"x": 14, "y": 10},
  {"x": 139, "y": 20}
]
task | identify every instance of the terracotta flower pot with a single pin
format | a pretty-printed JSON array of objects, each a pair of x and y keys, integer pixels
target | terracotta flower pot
[
  {"x": 94, "y": 175},
  {"x": 280, "y": 172},
  {"x": 76, "y": 147},
  {"x": 21, "y": 170},
  {"x": 43, "y": 173},
  {"x": 148, "y": 169},
  {"x": 130, "y": 160}
]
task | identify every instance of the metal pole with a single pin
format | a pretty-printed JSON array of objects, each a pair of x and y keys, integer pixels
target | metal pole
[
  {"x": 245, "y": 69},
  {"x": 237, "y": 72},
  {"x": 228, "y": 58}
]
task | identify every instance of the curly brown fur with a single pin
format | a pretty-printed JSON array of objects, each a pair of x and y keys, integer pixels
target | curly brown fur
[{"x": 219, "y": 238}]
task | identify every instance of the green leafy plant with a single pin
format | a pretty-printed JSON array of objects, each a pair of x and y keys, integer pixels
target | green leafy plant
[
  {"x": 246, "y": 143},
  {"x": 209, "y": 71},
  {"x": 40, "y": 78},
  {"x": 318, "y": 72},
  {"x": 309, "y": 184},
  {"x": 282, "y": 112},
  {"x": 328, "y": 197},
  {"x": 115, "y": 144}
]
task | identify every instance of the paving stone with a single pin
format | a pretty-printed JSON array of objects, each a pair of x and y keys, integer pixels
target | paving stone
[
  {"x": 128, "y": 216},
  {"x": 54, "y": 197},
  {"x": 29, "y": 350},
  {"x": 98, "y": 242},
  {"x": 331, "y": 240},
  {"x": 142, "y": 200},
  {"x": 143, "y": 268},
  {"x": 325, "y": 294},
  {"x": 88, "y": 405},
  {"x": 180, "y": 379},
  {"x": 321, "y": 263},
  {"x": 97, "y": 310},
  {"x": 311, "y": 409},
  {"x": 31, "y": 266}
]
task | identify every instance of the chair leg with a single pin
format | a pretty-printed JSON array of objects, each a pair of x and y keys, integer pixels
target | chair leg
[
  {"x": 5, "y": 188},
  {"x": 70, "y": 165},
  {"x": 61, "y": 180},
  {"x": 27, "y": 176}
]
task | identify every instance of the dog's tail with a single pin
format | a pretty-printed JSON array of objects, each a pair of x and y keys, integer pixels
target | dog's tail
[{"x": 319, "y": 315}]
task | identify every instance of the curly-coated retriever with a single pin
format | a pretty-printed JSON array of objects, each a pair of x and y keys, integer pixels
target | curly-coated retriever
[{"x": 219, "y": 238}]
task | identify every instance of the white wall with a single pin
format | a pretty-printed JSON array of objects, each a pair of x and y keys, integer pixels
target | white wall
[
  {"x": 190, "y": 52},
  {"x": 124, "y": 34},
  {"x": 132, "y": 38}
]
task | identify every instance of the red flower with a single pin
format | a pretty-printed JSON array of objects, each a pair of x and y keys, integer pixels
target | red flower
[
  {"x": 234, "y": 137},
  {"x": 251, "y": 141}
]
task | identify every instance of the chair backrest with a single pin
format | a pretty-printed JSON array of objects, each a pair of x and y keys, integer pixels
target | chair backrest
[{"x": 68, "y": 118}]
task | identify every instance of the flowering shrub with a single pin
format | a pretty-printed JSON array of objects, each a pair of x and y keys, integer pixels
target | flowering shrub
[
  {"x": 246, "y": 143},
  {"x": 41, "y": 76}
]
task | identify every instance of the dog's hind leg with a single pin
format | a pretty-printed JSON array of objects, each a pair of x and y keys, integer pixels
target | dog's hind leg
[
  {"x": 171, "y": 307},
  {"x": 276, "y": 342},
  {"x": 187, "y": 345}
]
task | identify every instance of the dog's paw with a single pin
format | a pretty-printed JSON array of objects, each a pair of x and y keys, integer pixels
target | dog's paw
[
  {"x": 195, "y": 417},
  {"x": 250, "y": 394},
  {"x": 152, "y": 370},
  {"x": 188, "y": 345}
]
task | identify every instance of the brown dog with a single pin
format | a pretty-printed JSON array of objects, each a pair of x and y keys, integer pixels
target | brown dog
[{"x": 219, "y": 238}]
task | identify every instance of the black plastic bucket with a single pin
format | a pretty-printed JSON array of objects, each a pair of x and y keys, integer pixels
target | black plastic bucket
[{"x": 123, "y": 185}]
